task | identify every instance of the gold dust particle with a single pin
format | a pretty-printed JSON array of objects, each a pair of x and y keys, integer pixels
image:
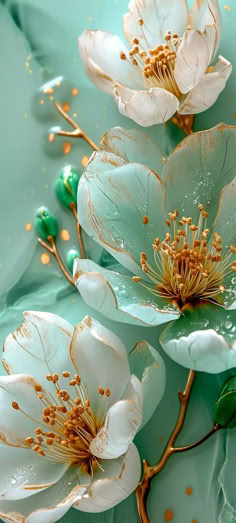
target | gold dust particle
[
  {"x": 58, "y": 84},
  {"x": 26, "y": 115},
  {"x": 145, "y": 220},
  {"x": 42, "y": 102},
  {"x": 189, "y": 491},
  {"x": 75, "y": 91},
  {"x": 65, "y": 235},
  {"x": 45, "y": 258},
  {"x": 90, "y": 18},
  {"x": 66, "y": 107},
  {"x": 66, "y": 147},
  {"x": 84, "y": 161},
  {"x": 75, "y": 115},
  {"x": 169, "y": 514},
  {"x": 51, "y": 98},
  {"x": 28, "y": 226},
  {"x": 49, "y": 90},
  {"x": 227, "y": 7},
  {"x": 73, "y": 300},
  {"x": 51, "y": 137}
]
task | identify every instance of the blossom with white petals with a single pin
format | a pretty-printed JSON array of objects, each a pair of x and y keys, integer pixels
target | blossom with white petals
[
  {"x": 167, "y": 68},
  {"x": 66, "y": 434}
]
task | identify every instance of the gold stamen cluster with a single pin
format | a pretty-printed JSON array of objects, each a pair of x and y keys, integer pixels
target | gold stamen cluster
[{"x": 188, "y": 266}]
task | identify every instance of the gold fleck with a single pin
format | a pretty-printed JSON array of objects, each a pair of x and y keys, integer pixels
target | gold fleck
[
  {"x": 28, "y": 226},
  {"x": 42, "y": 102},
  {"x": 227, "y": 7},
  {"x": 51, "y": 137},
  {"x": 66, "y": 107},
  {"x": 51, "y": 98},
  {"x": 73, "y": 300},
  {"x": 84, "y": 161},
  {"x": 145, "y": 220},
  {"x": 65, "y": 235},
  {"x": 48, "y": 90},
  {"x": 210, "y": 69},
  {"x": 189, "y": 491},
  {"x": 58, "y": 84},
  {"x": 45, "y": 258},
  {"x": 168, "y": 515},
  {"x": 75, "y": 91},
  {"x": 66, "y": 147},
  {"x": 75, "y": 115},
  {"x": 26, "y": 115},
  {"x": 155, "y": 364}
]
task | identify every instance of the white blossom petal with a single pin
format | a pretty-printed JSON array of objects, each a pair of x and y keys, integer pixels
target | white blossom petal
[
  {"x": 193, "y": 58},
  {"x": 146, "y": 108},
  {"x": 121, "y": 479},
  {"x": 121, "y": 423},
  {"x": 101, "y": 360},
  {"x": 207, "y": 12},
  {"x": 206, "y": 92},
  {"x": 158, "y": 17},
  {"x": 100, "y": 55}
]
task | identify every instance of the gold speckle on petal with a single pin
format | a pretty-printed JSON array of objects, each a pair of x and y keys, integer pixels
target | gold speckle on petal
[
  {"x": 189, "y": 491},
  {"x": 155, "y": 364},
  {"x": 66, "y": 147},
  {"x": 169, "y": 514},
  {"x": 65, "y": 235},
  {"x": 84, "y": 161},
  {"x": 51, "y": 137},
  {"x": 75, "y": 91},
  {"x": 45, "y": 258},
  {"x": 49, "y": 90},
  {"x": 28, "y": 226},
  {"x": 42, "y": 102},
  {"x": 227, "y": 7},
  {"x": 66, "y": 107}
]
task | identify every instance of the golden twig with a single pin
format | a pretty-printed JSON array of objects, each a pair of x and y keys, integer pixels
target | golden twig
[
  {"x": 77, "y": 133},
  {"x": 79, "y": 230},
  {"x": 52, "y": 248}
]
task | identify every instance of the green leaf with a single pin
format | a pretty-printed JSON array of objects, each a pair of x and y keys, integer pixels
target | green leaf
[{"x": 225, "y": 407}]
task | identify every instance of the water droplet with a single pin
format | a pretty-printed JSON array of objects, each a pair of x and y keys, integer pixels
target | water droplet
[
  {"x": 13, "y": 481},
  {"x": 233, "y": 281},
  {"x": 228, "y": 324},
  {"x": 206, "y": 323},
  {"x": 124, "y": 293}
]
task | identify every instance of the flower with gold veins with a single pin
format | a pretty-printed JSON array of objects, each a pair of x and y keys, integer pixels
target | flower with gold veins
[
  {"x": 67, "y": 424},
  {"x": 172, "y": 226},
  {"x": 167, "y": 68}
]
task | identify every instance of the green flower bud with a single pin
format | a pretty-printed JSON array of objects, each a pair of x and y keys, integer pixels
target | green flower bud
[
  {"x": 66, "y": 185},
  {"x": 71, "y": 255},
  {"x": 225, "y": 407},
  {"x": 45, "y": 223}
]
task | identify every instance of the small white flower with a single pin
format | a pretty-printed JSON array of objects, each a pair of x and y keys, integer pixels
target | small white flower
[
  {"x": 167, "y": 68},
  {"x": 66, "y": 434}
]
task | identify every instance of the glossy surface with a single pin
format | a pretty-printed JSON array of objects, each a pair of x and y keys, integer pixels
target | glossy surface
[{"x": 41, "y": 42}]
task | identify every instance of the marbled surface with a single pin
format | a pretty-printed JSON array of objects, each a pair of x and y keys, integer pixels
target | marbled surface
[{"x": 38, "y": 44}]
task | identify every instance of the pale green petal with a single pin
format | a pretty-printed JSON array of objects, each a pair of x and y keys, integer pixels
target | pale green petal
[
  {"x": 198, "y": 169},
  {"x": 203, "y": 338},
  {"x": 133, "y": 146},
  {"x": 111, "y": 207},
  {"x": 118, "y": 297},
  {"x": 148, "y": 365}
]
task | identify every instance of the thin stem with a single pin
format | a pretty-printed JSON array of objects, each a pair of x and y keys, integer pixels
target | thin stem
[
  {"x": 200, "y": 441},
  {"x": 78, "y": 132},
  {"x": 53, "y": 250},
  {"x": 79, "y": 230}
]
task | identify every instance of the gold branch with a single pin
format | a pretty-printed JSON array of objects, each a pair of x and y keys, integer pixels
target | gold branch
[
  {"x": 52, "y": 248},
  {"x": 79, "y": 230},
  {"x": 77, "y": 133}
]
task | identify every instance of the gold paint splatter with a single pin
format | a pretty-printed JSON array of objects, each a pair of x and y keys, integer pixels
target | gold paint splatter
[
  {"x": 45, "y": 258},
  {"x": 66, "y": 107},
  {"x": 28, "y": 226},
  {"x": 66, "y": 147},
  {"x": 189, "y": 491},
  {"x": 26, "y": 115},
  {"x": 51, "y": 137},
  {"x": 42, "y": 102},
  {"x": 75, "y": 91},
  {"x": 84, "y": 161},
  {"x": 227, "y": 7},
  {"x": 49, "y": 90},
  {"x": 65, "y": 235},
  {"x": 155, "y": 364},
  {"x": 169, "y": 514}
]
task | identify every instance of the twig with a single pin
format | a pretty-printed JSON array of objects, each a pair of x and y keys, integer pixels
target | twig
[
  {"x": 77, "y": 133},
  {"x": 79, "y": 230},
  {"x": 52, "y": 248}
]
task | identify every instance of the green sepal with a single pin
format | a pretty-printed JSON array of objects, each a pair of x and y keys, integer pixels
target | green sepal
[
  {"x": 71, "y": 255},
  {"x": 45, "y": 223},
  {"x": 66, "y": 185},
  {"x": 225, "y": 406}
]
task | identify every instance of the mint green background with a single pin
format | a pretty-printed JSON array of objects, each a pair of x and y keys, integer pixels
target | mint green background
[{"x": 48, "y": 31}]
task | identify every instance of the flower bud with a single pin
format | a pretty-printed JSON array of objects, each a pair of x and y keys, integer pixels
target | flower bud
[
  {"x": 71, "y": 255},
  {"x": 66, "y": 185},
  {"x": 45, "y": 223},
  {"x": 225, "y": 406}
]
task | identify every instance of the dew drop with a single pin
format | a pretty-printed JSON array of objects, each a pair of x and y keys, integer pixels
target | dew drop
[{"x": 228, "y": 324}]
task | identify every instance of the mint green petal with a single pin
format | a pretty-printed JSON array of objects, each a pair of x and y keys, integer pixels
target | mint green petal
[
  {"x": 225, "y": 226},
  {"x": 198, "y": 169},
  {"x": 111, "y": 207},
  {"x": 228, "y": 513},
  {"x": 148, "y": 365},
  {"x": 203, "y": 338},
  {"x": 133, "y": 146},
  {"x": 118, "y": 297},
  {"x": 102, "y": 161}
]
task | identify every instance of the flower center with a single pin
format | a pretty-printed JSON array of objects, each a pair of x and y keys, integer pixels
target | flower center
[
  {"x": 188, "y": 266},
  {"x": 156, "y": 65},
  {"x": 68, "y": 424}
]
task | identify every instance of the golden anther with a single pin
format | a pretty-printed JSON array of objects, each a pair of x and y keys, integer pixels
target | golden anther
[
  {"x": 48, "y": 377},
  {"x": 122, "y": 55},
  {"x": 136, "y": 278},
  {"x": 108, "y": 392},
  {"x": 101, "y": 391},
  {"x": 38, "y": 388},
  {"x": 15, "y": 405},
  {"x": 145, "y": 220},
  {"x": 65, "y": 374},
  {"x": 49, "y": 441},
  {"x": 222, "y": 288},
  {"x": 140, "y": 21},
  {"x": 29, "y": 441},
  {"x": 134, "y": 61},
  {"x": 77, "y": 401},
  {"x": 233, "y": 249},
  {"x": 72, "y": 383},
  {"x": 77, "y": 378},
  {"x": 135, "y": 41},
  {"x": 62, "y": 409},
  {"x": 55, "y": 377},
  {"x": 167, "y": 222}
]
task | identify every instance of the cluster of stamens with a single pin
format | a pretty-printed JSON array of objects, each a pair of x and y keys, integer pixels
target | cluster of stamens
[
  {"x": 67, "y": 424},
  {"x": 187, "y": 265},
  {"x": 157, "y": 65}
]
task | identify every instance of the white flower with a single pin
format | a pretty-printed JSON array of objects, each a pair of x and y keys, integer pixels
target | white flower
[
  {"x": 66, "y": 434},
  {"x": 167, "y": 69}
]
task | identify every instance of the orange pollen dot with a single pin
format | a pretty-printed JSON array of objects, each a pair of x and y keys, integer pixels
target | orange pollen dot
[
  {"x": 145, "y": 220},
  {"x": 189, "y": 491},
  {"x": 122, "y": 55},
  {"x": 108, "y": 392},
  {"x": 101, "y": 391},
  {"x": 140, "y": 21},
  {"x": 15, "y": 405},
  {"x": 136, "y": 279},
  {"x": 169, "y": 515}
]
